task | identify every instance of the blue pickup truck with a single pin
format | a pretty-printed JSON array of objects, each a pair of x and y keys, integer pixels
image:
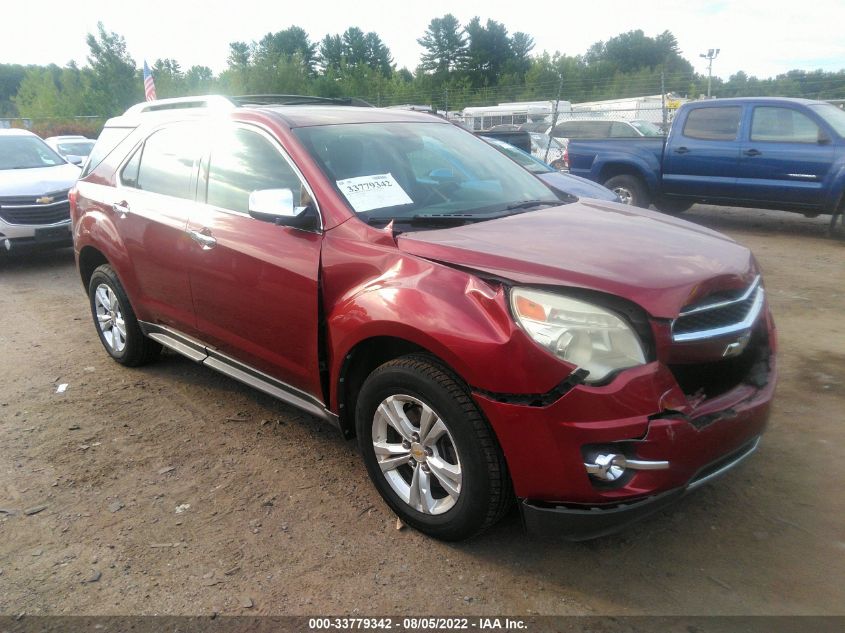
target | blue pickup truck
[{"x": 752, "y": 152}]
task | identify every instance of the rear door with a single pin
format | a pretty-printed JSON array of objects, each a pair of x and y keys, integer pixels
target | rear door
[
  {"x": 255, "y": 284},
  {"x": 702, "y": 154},
  {"x": 782, "y": 160},
  {"x": 151, "y": 205}
]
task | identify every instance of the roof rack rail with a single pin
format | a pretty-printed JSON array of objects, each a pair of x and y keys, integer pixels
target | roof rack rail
[
  {"x": 277, "y": 99},
  {"x": 178, "y": 103}
]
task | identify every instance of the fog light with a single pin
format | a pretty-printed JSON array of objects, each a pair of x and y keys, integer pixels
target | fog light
[
  {"x": 611, "y": 466},
  {"x": 8, "y": 244}
]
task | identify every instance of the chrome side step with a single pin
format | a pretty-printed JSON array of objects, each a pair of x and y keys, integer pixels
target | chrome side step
[{"x": 202, "y": 353}]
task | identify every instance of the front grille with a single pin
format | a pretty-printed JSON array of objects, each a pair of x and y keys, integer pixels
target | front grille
[
  {"x": 711, "y": 379},
  {"x": 718, "y": 317},
  {"x": 36, "y": 215},
  {"x": 15, "y": 201}
]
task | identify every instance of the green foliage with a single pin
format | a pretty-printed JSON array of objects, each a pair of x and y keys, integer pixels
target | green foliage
[
  {"x": 445, "y": 46},
  {"x": 114, "y": 79},
  {"x": 475, "y": 64}
]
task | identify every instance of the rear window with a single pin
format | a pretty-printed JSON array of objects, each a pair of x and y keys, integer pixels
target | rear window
[
  {"x": 713, "y": 124},
  {"x": 109, "y": 138}
]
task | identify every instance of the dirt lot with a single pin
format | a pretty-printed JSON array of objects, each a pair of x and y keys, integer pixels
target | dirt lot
[{"x": 172, "y": 489}]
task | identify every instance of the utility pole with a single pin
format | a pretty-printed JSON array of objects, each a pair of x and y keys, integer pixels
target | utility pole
[
  {"x": 663, "y": 100},
  {"x": 710, "y": 55}
]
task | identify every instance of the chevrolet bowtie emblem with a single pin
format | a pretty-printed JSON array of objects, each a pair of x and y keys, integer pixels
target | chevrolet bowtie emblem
[{"x": 44, "y": 200}]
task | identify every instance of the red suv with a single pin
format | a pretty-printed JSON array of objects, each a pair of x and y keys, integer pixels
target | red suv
[{"x": 385, "y": 270}]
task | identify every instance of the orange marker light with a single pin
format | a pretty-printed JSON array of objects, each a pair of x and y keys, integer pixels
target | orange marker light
[{"x": 530, "y": 309}]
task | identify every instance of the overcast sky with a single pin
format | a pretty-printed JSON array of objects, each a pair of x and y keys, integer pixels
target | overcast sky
[{"x": 761, "y": 37}]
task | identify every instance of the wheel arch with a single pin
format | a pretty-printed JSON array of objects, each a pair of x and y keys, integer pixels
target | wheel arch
[
  {"x": 361, "y": 360},
  {"x": 90, "y": 258}
]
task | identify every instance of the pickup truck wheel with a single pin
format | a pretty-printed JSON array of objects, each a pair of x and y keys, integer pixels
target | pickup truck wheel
[
  {"x": 115, "y": 320},
  {"x": 672, "y": 207},
  {"x": 630, "y": 190},
  {"x": 429, "y": 451}
]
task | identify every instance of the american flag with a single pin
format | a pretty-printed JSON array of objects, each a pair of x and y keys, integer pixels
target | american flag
[{"x": 149, "y": 85}]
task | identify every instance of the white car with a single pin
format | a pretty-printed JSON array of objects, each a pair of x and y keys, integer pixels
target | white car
[
  {"x": 74, "y": 149},
  {"x": 34, "y": 184}
]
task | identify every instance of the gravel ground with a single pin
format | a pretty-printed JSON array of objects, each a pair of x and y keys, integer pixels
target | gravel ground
[{"x": 174, "y": 490}]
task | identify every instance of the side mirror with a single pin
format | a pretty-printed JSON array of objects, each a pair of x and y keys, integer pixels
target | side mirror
[
  {"x": 73, "y": 159},
  {"x": 824, "y": 138},
  {"x": 276, "y": 206}
]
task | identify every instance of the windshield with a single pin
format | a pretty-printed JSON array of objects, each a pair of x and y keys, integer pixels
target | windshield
[
  {"x": 26, "y": 152},
  {"x": 413, "y": 171},
  {"x": 519, "y": 157},
  {"x": 832, "y": 115},
  {"x": 76, "y": 148},
  {"x": 647, "y": 128}
]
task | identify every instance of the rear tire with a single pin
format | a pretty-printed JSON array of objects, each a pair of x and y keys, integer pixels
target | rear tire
[
  {"x": 630, "y": 189},
  {"x": 115, "y": 320},
  {"x": 449, "y": 478}
]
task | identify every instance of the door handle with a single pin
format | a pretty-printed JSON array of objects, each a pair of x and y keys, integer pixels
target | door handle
[
  {"x": 681, "y": 150},
  {"x": 203, "y": 238},
  {"x": 121, "y": 208},
  {"x": 752, "y": 152}
]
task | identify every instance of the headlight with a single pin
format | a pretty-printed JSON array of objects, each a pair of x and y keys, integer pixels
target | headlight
[{"x": 580, "y": 333}]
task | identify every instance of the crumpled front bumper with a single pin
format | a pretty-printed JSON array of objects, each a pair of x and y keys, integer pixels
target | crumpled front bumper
[
  {"x": 550, "y": 521},
  {"x": 645, "y": 414}
]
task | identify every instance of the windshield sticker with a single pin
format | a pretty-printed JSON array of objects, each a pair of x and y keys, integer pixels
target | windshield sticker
[{"x": 366, "y": 193}]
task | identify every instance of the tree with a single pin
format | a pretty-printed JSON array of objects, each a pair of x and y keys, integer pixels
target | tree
[
  {"x": 169, "y": 79},
  {"x": 199, "y": 80},
  {"x": 331, "y": 53},
  {"x": 445, "y": 45},
  {"x": 378, "y": 55},
  {"x": 115, "y": 84},
  {"x": 521, "y": 45},
  {"x": 285, "y": 45},
  {"x": 488, "y": 51}
]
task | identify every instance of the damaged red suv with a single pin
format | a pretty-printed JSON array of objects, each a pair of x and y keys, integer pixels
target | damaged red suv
[{"x": 483, "y": 337}]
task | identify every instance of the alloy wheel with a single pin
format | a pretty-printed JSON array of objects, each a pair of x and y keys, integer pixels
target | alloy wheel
[
  {"x": 110, "y": 318},
  {"x": 417, "y": 454}
]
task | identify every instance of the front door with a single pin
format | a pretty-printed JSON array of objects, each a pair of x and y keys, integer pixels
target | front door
[
  {"x": 255, "y": 284},
  {"x": 783, "y": 160}
]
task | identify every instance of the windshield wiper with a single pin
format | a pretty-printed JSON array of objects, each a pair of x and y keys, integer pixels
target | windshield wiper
[{"x": 530, "y": 204}]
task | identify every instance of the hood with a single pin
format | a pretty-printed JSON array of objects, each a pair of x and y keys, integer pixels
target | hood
[
  {"x": 38, "y": 180},
  {"x": 577, "y": 186},
  {"x": 658, "y": 262}
]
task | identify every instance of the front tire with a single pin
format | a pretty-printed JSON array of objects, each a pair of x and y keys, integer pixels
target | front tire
[
  {"x": 428, "y": 450},
  {"x": 115, "y": 320},
  {"x": 671, "y": 206},
  {"x": 630, "y": 189}
]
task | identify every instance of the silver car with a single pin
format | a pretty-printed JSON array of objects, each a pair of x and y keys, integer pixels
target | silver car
[
  {"x": 74, "y": 149},
  {"x": 34, "y": 184}
]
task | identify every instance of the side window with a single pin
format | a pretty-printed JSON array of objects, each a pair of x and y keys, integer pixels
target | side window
[
  {"x": 713, "y": 124},
  {"x": 783, "y": 125},
  {"x": 242, "y": 162},
  {"x": 167, "y": 161},
  {"x": 129, "y": 175}
]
